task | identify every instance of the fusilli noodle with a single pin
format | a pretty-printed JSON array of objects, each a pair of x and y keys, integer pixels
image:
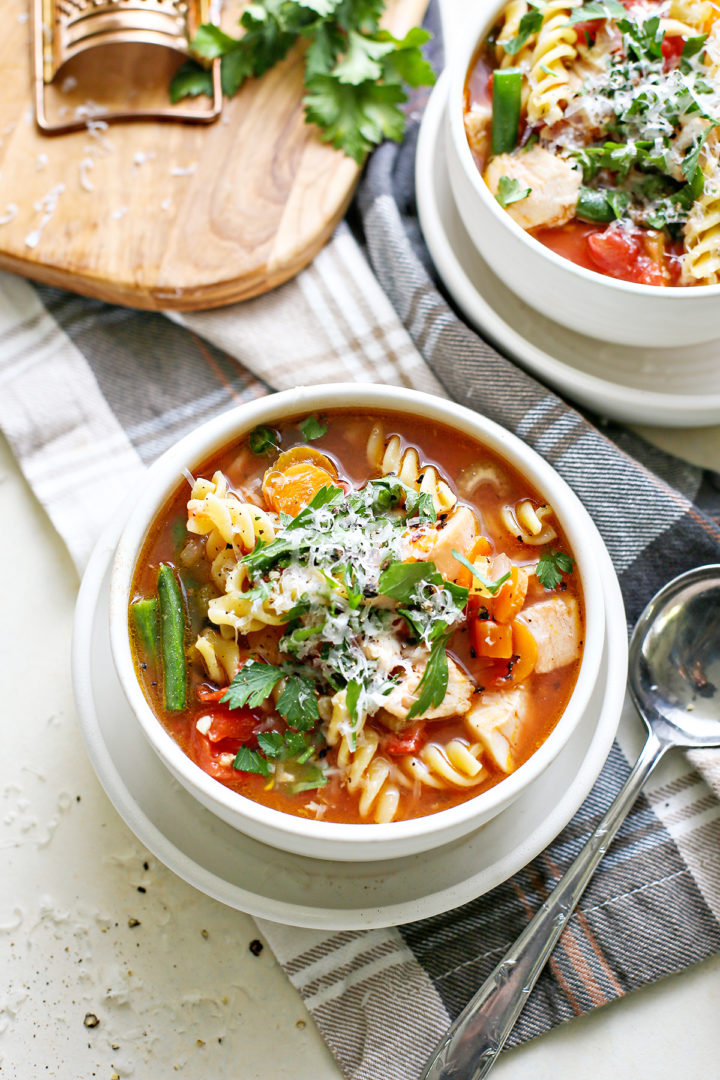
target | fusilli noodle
[{"x": 553, "y": 53}]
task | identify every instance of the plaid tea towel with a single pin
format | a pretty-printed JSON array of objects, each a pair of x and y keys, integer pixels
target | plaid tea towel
[{"x": 91, "y": 394}]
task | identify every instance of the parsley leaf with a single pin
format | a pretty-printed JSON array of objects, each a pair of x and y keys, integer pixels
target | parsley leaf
[
  {"x": 692, "y": 47},
  {"x": 432, "y": 687},
  {"x": 529, "y": 24},
  {"x": 352, "y": 589},
  {"x": 552, "y": 566},
  {"x": 253, "y": 683},
  {"x": 355, "y": 72},
  {"x": 510, "y": 191},
  {"x": 400, "y": 579},
  {"x": 312, "y": 428},
  {"x": 420, "y": 504},
  {"x": 298, "y": 703},
  {"x": 189, "y": 80},
  {"x": 247, "y": 760},
  {"x": 605, "y": 9},
  {"x": 326, "y": 496},
  {"x": 271, "y": 743},
  {"x": 262, "y": 439}
]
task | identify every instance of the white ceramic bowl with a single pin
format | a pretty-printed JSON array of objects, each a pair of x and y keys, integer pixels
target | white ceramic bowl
[
  {"x": 588, "y": 302},
  {"x": 328, "y": 839}
]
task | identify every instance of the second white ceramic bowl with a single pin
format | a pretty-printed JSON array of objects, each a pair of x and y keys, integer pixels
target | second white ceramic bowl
[
  {"x": 590, "y": 303},
  {"x": 332, "y": 840}
]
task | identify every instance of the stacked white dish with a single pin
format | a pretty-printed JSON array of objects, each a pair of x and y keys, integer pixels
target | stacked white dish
[
  {"x": 227, "y": 863},
  {"x": 674, "y": 387}
]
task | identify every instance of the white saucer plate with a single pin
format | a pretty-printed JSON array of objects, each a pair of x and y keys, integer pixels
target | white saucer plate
[
  {"x": 301, "y": 891},
  {"x": 678, "y": 387}
]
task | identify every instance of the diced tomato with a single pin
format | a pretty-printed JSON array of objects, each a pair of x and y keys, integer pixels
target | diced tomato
[
  {"x": 206, "y": 695},
  {"x": 236, "y": 724},
  {"x": 620, "y": 253},
  {"x": 407, "y": 742},
  {"x": 229, "y": 730},
  {"x": 588, "y": 30},
  {"x": 671, "y": 49}
]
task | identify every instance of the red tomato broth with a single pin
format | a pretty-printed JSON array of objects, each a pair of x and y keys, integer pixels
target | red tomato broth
[{"x": 345, "y": 443}]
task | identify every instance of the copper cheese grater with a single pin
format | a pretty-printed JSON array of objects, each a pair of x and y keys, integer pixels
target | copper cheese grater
[{"x": 65, "y": 29}]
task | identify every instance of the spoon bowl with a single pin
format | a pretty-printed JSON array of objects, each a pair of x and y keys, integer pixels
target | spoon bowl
[
  {"x": 674, "y": 681},
  {"x": 674, "y": 660}
]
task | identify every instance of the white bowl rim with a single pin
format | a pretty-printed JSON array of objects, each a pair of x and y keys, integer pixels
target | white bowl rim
[
  {"x": 162, "y": 479},
  {"x": 460, "y": 66}
]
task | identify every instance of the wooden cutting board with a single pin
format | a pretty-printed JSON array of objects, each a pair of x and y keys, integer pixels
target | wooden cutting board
[{"x": 163, "y": 215}]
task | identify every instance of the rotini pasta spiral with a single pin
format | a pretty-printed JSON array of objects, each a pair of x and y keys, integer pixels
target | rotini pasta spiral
[
  {"x": 554, "y": 52},
  {"x": 215, "y": 511},
  {"x": 220, "y": 655},
  {"x": 528, "y": 522},
  {"x": 390, "y": 458},
  {"x": 456, "y": 763}
]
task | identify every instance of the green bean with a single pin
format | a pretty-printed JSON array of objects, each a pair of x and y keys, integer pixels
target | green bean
[
  {"x": 145, "y": 618},
  {"x": 506, "y": 102},
  {"x": 172, "y": 638}
]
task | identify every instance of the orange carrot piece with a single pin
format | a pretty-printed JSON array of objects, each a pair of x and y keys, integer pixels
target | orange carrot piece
[
  {"x": 511, "y": 597},
  {"x": 491, "y": 639},
  {"x": 290, "y": 492}
]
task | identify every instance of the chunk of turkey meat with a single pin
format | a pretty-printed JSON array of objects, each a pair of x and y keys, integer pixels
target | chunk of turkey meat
[
  {"x": 554, "y": 186},
  {"x": 409, "y": 665},
  {"x": 456, "y": 532},
  {"x": 555, "y": 625}
]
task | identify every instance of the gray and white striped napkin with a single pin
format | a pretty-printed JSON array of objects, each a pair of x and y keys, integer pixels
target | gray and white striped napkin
[{"x": 91, "y": 394}]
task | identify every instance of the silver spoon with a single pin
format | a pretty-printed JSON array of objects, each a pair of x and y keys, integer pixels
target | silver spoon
[{"x": 674, "y": 679}]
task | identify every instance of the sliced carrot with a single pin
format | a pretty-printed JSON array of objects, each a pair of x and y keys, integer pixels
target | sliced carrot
[
  {"x": 511, "y": 597},
  {"x": 491, "y": 639},
  {"x": 480, "y": 546},
  {"x": 290, "y": 491},
  {"x": 526, "y": 650}
]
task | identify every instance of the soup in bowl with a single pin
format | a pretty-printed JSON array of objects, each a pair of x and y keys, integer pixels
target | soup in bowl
[
  {"x": 356, "y": 622},
  {"x": 585, "y": 161}
]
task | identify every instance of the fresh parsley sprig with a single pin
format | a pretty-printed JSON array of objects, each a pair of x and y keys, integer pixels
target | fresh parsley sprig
[
  {"x": 552, "y": 566},
  {"x": 433, "y": 685},
  {"x": 255, "y": 681},
  {"x": 355, "y": 73}
]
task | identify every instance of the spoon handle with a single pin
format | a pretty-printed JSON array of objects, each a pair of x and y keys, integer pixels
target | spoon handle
[{"x": 471, "y": 1045}]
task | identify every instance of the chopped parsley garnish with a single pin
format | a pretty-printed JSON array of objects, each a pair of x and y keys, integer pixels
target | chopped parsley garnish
[
  {"x": 247, "y": 760},
  {"x": 262, "y": 440},
  {"x": 253, "y": 683},
  {"x": 511, "y": 191},
  {"x": 552, "y": 566},
  {"x": 605, "y": 9},
  {"x": 298, "y": 703},
  {"x": 529, "y": 24},
  {"x": 312, "y": 428},
  {"x": 355, "y": 73},
  {"x": 400, "y": 580},
  {"x": 433, "y": 685}
]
